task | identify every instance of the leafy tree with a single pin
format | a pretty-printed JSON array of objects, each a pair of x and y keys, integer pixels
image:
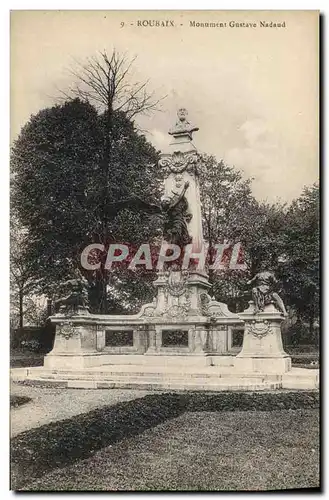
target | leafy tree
[
  {"x": 273, "y": 236},
  {"x": 232, "y": 215},
  {"x": 23, "y": 280},
  {"x": 300, "y": 269},
  {"x": 105, "y": 81},
  {"x": 58, "y": 189}
]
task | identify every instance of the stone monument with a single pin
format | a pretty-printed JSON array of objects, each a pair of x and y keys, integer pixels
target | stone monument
[
  {"x": 182, "y": 308},
  {"x": 182, "y": 340},
  {"x": 262, "y": 349}
]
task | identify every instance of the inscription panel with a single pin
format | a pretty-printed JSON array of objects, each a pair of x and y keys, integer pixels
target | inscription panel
[
  {"x": 174, "y": 338},
  {"x": 237, "y": 337},
  {"x": 119, "y": 338}
]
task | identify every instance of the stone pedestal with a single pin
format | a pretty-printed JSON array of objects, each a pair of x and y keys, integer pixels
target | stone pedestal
[
  {"x": 74, "y": 346},
  {"x": 181, "y": 165},
  {"x": 179, "y": 294},
  {"x": 183, "y": 319},
  {"x": 262, "y": 349}
]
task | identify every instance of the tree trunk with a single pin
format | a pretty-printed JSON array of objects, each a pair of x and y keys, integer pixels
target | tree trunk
[
  {"x": 103, "y": 306},
  {"x": 311, "y": 323},
  {"x": 21, "y": 311},
  {"x": 49, "y": 307},
  {"x": 98, "y": 295}
]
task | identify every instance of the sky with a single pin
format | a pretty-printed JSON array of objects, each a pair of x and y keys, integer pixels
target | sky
[{"x": 252, "y": 91}]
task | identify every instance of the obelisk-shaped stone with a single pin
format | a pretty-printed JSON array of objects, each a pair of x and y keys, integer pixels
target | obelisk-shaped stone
[{"x": 181, "y": 166}]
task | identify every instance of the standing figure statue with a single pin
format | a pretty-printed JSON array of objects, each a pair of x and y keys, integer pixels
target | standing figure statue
[
  {"x": 264, "y": 292},
  {"x": 172, "y": 209},
  {"x": 175, "y": 218},
  {"x": 76, "y": 294}
]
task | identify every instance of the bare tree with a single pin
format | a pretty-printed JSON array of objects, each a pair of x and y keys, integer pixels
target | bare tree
[{"x": 105, "y": 81}]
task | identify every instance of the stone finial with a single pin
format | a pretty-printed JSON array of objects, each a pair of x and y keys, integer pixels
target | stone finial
[{"x": 182, "y": 126}]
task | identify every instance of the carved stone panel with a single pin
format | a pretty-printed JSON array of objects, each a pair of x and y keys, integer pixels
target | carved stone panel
[
  {"x": 259, "y": 328},
  {"x": 66, "y": 330},
  {"x": 180, "y": 162}
]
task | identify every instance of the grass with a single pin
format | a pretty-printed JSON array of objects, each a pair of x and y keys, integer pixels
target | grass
[
  {"x": 23, "y": 359},
  {"x": 302, "y": 349},
  {"x": 16, "y": 401},
  {"x": 176, "y": 442},
  {"x": 205, "y": 452},
  {"x": 60, "y": 443}
]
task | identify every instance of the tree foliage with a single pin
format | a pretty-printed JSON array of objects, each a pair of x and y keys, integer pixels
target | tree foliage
[
  {"x": 231, "y": 214},
  {"x": 105, "y": 81},
  {"x": 301, "y": 267},
  {"x": 58, "y": 185},
  {"x": 275, "y": 236},
  {"x": 71, "y": 161},
  {"x": 23, "y": 281}
]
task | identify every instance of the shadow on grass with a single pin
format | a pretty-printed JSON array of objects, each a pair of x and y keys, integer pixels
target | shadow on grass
[
  {"x": 26, "y": 362},
  {"x": 16, "y": 401},
  {"x": 62, "y": 443}
]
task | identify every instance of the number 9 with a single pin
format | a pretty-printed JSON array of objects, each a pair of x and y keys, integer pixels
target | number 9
[{"x": 122, "y": 24}]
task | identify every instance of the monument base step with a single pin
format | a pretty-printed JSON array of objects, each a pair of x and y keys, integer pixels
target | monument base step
[
  {"x": 150, "y": 378},
  {"x": 161, "y": 359}
]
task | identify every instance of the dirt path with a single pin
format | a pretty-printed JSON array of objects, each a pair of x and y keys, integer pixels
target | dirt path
[{"x": 52, "y": 404}]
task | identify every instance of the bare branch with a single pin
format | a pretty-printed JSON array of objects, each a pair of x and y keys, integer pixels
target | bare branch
[{"x": 105, "y": 81}]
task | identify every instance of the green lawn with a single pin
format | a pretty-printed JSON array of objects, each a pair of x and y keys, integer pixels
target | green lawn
[{"x": 183, "y": 449}]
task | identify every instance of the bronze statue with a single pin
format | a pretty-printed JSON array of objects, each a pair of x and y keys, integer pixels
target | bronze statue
[
  {"x": 76, "y": 298},
  {"x": 173, "y": 211},
  {"x": 264, "y": 292}
]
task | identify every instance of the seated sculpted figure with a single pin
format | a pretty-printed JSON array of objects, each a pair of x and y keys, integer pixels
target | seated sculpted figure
[
  {"x": 76, "y": 294},
  {"x": 264, "y": 292}
]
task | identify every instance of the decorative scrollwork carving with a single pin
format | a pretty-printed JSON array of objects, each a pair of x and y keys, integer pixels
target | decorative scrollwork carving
[
  {"x": 178, "y": 162},
  {"x": 176, "y": 284},
  {"x": 204, "y": 300},
  {"x": 149, "y": 311},
  {"x": 178, "y": 310},
  {"x": 66, "y": 330},
  {"x": 259, "y": 329},
  {"x": 215, "y": 311}
]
